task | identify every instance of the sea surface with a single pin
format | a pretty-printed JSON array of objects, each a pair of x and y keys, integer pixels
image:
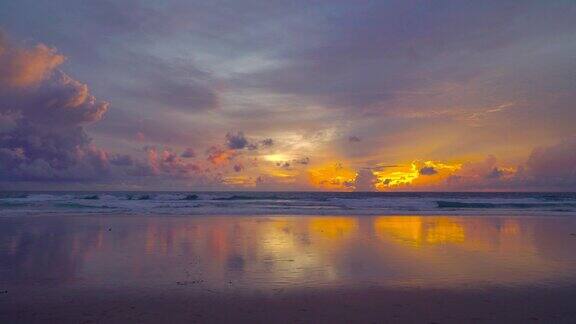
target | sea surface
[
  {"x": 43, "y": 256},
  {"x": 286, "y": 203},
  {"x": 150, "y": 257}
]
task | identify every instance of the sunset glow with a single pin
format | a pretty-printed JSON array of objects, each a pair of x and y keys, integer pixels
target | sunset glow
[
  {"x": 399, "y": 96},
  {"x": 257, "y": 161}
]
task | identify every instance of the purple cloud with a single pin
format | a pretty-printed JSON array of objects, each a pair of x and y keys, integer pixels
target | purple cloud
[
  {"x": 188, "y": 153},
  {"x": 47, "y": 140},
  {"x": 236, "y": 141},
  {"x": 554, "y": 165}
]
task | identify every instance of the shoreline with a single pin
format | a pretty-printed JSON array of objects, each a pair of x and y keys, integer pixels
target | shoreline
[
  {"x": 517, "y": 215},
  {"x": 293, "y": 204},
  {"x": 80, "y": 268},
  {"x": 509, "y": 305}
]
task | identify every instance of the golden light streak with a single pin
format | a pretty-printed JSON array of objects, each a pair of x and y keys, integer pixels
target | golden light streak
[
  {"x": 397, "y": 176},
  {"x": 240, "y": 180},
  {"x": 333, "y": 227},
  {"x": 332, "y": 177},
  {"x": 277, "y": 157},
  {"x": 419, "y": 231},
  {"x": 393, "y": 177}
]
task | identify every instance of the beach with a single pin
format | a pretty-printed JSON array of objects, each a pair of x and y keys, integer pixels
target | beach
[
  {"x": 86, "y": 268},
  {"x": 249, "y": 161}
]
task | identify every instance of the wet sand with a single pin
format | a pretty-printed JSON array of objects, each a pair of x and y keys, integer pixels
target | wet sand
[
  {"x": 369, "y": 305},
  {"x": 118, "y": 269}
]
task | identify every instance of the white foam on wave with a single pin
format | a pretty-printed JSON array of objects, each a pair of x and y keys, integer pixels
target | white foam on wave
[{"x": 176, "y": 203}]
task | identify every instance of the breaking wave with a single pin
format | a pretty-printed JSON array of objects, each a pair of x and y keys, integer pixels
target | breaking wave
[{"x": 287, "y": 203}]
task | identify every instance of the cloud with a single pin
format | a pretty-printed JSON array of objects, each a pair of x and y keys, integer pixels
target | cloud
[
  {"x": 122, "y": 160},
  {"x": 166, "y": 162},
  {"x": 236, "y": 141},
  {"x": 188, "y": 153},
  {"x": 547, "y": 168},
  {"x": 24, "y": 67},
  {"x": 47, "y": 140},
  {"x": 239, "y": 142},
  {"x": 333, "y": 176},
  {"x": 292, "y": 164},
  {"x": 267, "y": 142},
  {"x": 303, "y": 161},
  {"x": 483, "y": 175},
  {"x": 406, "y": 78},
  {"x": 284, "y": 165},
  {"x": 219, "y": 156},
  {"x": 238, "y": 167},
  {"x": 496, "y": 173},
  {"x": 452, "y": 66},
  {"x": 32, "y": 86},
  {"x": 428, "y": 170},
  {"x": 365, "y": 180},
  {"x": 172, "y": 85},
  {"x": 123, "y": 125},
  {"x": 377, "y": 52},
  {"x": 553, "y": 165}
]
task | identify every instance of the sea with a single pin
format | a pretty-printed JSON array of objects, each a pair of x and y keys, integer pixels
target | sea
[{"x": 288, "y": 203}]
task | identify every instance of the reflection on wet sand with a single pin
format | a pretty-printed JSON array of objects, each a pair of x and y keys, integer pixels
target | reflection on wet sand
[
  {"x": 261, "y": 253},
  {"x": 419, "y": 231}
]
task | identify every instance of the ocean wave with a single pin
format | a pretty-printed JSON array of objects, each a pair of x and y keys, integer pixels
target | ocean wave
[
  {"x": 5, "y": 195},
  {"x": 82, "y": 206},
  {"x": 91, "y": 197},
  {"x": 482, "y": 205},
  {"x": 138, "y": 197},
  {"x": 10, "y": 204},
  {"x": 242, "y": 197},
  {"x": 297, "y": 203}
]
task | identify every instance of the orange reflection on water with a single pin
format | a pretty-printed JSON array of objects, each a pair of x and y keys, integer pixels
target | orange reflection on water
[
  {"x": 335, "y": 228},
  {"x": 418, "y": 231},
  {"x": 298, "y": 251}
]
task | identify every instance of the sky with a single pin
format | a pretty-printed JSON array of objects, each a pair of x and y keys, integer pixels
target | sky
[{"x": 398, "y": 95}]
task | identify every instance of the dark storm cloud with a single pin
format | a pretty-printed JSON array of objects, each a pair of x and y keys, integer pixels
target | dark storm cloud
[
  {"x": 239, "y": 141},
  {"x": 236, "y": 141},
  {"x": 428, "y": 171}
]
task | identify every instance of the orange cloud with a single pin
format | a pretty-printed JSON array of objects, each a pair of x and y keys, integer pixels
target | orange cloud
[
  {"x": 23, "y": 67},
  {"x": 240, "y": 181},
  {"x": 332, "y": 177},
  {"x": 219, "y": 156},
  {"x": 417, "y": 173},
  {"x": 166, "y": 161}
]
